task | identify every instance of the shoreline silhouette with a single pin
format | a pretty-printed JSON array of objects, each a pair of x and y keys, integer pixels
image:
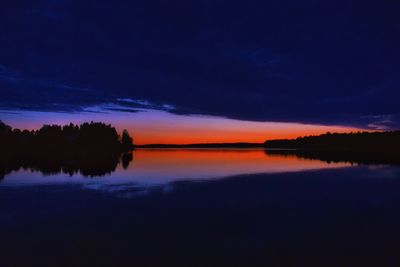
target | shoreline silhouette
[{"x": 101, "y": 137}]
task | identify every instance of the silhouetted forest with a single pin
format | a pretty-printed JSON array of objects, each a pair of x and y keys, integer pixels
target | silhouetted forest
[
  {"x": 380, "y": 142},
  {"x": 94, "y": 137},
  {"x": 93, "y": 149}
]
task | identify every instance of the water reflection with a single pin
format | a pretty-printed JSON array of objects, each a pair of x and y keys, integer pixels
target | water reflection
[
  {"x": 282, "y": 219},
  {"x": 167, "y": 165},
  {"x": 85, "y": 165},
  {"x": 352, "y": 157},
  {"x": 158, "y": 166}
]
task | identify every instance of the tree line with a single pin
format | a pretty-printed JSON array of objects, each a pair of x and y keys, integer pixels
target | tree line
[
  {"x": 383, "y": 142},
  {"x": 93, "y": 137}
]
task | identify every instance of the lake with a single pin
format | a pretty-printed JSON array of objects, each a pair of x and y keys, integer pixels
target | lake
[{"x": 201, "y": 207}]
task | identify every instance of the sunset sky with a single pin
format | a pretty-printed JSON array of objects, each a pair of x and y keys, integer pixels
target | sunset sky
[
  {"x": 202, "y": 70},
  {"x": 154, "y": 126}
]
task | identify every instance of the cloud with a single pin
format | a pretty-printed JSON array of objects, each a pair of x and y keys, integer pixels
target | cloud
[
  {"x": 135, "y": 101},
  {"x": 123, "y": 110},
  {"x": 383, "y": 122},
  {"x": 141, "y": 103},
  {"x": 318, "y": 62}
]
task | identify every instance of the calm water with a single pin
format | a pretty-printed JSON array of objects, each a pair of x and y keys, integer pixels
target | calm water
[
  {"x": 202, "y": 207},
  {"x": 160, "y": 167}
]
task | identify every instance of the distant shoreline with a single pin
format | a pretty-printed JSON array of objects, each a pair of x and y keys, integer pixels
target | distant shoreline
[
  {"x": 382, "y": 143},
  {"x": 203, "y": 145}
]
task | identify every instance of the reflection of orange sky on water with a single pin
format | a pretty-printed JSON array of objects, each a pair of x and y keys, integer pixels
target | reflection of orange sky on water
[
  {"x": 163, "y": 166},
  {"x": 182, "y": 164},
  {"x": 154, "y": 126}
]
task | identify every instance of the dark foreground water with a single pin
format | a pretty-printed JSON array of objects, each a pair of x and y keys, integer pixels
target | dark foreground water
[{"x": 203, "y": 208}]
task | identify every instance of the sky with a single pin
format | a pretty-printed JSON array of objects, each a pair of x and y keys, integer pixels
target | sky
[{"x": 202, "y": 71}]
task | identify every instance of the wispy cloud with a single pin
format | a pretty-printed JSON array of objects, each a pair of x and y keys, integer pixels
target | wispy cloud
[
  {"x": 64, "y": 97},
  {"x": 382, "y": 122},
  {"x": 141, "y": 103}
]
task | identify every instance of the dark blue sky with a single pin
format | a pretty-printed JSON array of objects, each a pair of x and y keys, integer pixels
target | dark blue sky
[{"x": 322, "y": 62}]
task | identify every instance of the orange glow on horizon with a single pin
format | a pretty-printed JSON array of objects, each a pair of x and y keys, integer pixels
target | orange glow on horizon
[
  {"x": 161, "y": 127},
  {"x": 169, "y": 128},
  {"x": 161, "y": 136}
]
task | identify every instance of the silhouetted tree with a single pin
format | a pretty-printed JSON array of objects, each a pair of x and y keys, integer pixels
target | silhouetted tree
[
  {"x": 4, "y": 128},
  {"x": 126, "y": 140}
]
